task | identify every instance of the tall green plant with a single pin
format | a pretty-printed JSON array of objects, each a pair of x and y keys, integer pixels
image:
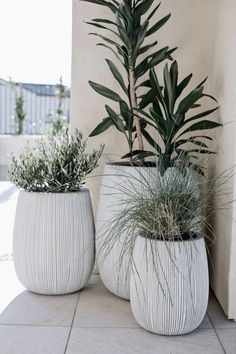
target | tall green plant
[
  {"x": 137, "y": 54},
  {"x": 58, "y": 120},
  {"x": 19, "y": 111},
  {"x": 19, "y": 114},
  {"x": 181, "y": 135}
]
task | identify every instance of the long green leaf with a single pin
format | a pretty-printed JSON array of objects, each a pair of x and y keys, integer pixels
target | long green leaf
[
  {"x": 101, "y": 127},
  {"x": 174, "y": 81},
  {"x": 143, "y": 7},
  {"x": 151, "y": 141},
  {"x": 147, "y": 99},
  {"x": 183, "y": 84},
  {"x": 113, "y": 51},
  {"x": 139, "y": 154},
  {"x": 189, "y": 100},
  {"x": 201, "y": 115},
  {"x": 157, "y": 89},
  {"x": 146, "y": 47},
  {"x": 103, "y": 20},
  {"x": 158, "y": 25},
  {"x": 115, "y": 119},
  {"x": 168, "y": 88},
  {"x": 119, "y": 48},
  {"x": 141, "y": 34},
  {"x": 190, "y": 140},
  {"x": 153, "y": 12},
  {"x": 117, "y": 75},
  {"x": 104, "y": 91},
  {"x": 108, "y": 4},
  {"x": 98, "y": 25},
  {"x": 127, "y": 115},
  {"x": 202, "y": 125}
]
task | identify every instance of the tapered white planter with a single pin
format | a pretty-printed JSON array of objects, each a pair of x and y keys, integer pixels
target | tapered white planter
[
  {"x": 53, "y": 241},
  {"x": 115, "y": 272},
  {"x": 169, "y": 285}
]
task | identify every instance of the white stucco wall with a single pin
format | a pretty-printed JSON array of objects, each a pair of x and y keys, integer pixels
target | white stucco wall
[
  {"x": 204, "y": 32},
  {"x": 222, "y": 82}
]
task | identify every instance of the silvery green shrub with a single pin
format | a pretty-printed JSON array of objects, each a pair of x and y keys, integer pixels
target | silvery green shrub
[{"x": 54, "y": 164}]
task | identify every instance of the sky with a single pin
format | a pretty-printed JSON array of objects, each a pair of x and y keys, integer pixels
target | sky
[{"x": 35, "y": 40}]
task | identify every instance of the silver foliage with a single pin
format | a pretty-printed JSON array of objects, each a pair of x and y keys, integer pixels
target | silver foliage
[{"x": 54, "y": 164}]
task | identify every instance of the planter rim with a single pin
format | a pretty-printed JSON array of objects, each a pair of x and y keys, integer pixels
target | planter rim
[
  {"x": 199, "y": 237},
  {"x": 82, "y": 190}
]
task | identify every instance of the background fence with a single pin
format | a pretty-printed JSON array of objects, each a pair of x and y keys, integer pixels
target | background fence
[{"x": 40, "y": 102}]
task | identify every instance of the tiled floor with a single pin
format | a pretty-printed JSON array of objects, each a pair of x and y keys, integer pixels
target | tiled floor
[{"x": 95, "y": 322}]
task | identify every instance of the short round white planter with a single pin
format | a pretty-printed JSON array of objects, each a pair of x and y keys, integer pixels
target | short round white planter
[
  {"x": 53, "y": 242},
  {"x": 114, "y": 271},
  {"x": 169, "y": 285}
]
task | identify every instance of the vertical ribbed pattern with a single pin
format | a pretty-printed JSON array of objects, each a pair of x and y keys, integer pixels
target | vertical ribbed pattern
[
  {"x": 53, "y": 242},
  {"x": 169, "y": 285},
  {"x": 114, "y": 274}
]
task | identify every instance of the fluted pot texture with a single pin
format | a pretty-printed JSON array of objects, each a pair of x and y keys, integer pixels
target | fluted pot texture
[
  {"x": 53, "y": 242},
  {"x": 169, "y": 285},
  {"x": 114, "y": 269}
]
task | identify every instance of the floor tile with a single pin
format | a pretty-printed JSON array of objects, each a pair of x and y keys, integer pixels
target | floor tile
[
  {"x": 8, "y": 200},
  {"x": 33, "y": 309},
  {"x": 217, "y": 316},
  {"x": 97, "y": 307},
  {"x": 138, "y": 341},
  {"x": 206, "y": 323},
  {"x": 228, "y": 339},
  {"x": 33, "y": 339},
  {"x": 10, "y": 287}
]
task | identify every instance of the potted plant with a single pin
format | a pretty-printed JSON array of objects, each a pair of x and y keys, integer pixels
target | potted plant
[
  {"x": 135, "y": 52},
  {"x": 165, "y": 238},
  {"x": 53, "y": 242}
]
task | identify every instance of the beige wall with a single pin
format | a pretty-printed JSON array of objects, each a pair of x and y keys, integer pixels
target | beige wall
[
  {"x": 222, "y": 82},
  {"x": 204, "y": 33}
]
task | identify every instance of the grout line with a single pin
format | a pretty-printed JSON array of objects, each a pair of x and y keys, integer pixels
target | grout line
[
  {"x": 34, "y": 325},
  {"x": 219, "y": 340},
  {"x": 108, "y": 327},
  {"x": 71, "y": 326}
]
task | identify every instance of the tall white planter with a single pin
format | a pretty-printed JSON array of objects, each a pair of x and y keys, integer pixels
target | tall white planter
[
  {"x": 114, "y": 272},
  {"x": 169, "y": 285},
  {"x": 53, "y": 241}
]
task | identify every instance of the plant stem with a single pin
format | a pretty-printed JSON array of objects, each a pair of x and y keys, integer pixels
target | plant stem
[{"x": 134, "y": 106}]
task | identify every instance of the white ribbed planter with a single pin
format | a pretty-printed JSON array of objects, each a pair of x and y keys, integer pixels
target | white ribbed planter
[
  {"x": 53, "y": 241},
  {"x": 169, "y": 285},
  {"x": 115, "y": 274}
]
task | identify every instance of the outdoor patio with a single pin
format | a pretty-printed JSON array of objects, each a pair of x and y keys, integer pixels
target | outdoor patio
[{"x": 90, "y": 321}]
